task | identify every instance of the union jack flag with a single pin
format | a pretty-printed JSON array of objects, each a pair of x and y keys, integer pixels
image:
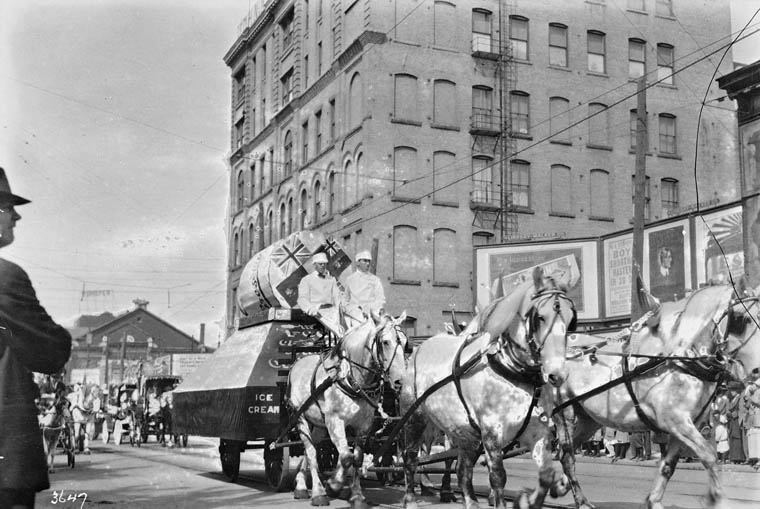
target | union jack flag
[{"x": 290, "y": 255}]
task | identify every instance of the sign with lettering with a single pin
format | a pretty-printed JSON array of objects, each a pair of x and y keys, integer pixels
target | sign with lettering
[
  {"x": 667, "y": 260},
  {"x": 617, "y": 275},
  {"x": 185, "y": 363}
]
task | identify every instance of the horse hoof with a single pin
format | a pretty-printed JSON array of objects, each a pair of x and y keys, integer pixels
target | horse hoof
[
  {"x": 409, "y": 504},
  {"x": 345, "y": 493},
  {"x": 332, "y": 491},
  {"x": 301, "y": 494},
  {"x": 523, "y": 502},
  {"x": 321, "y": 500},
  {"x": 653, "y": 505},
  {"x": 491, "y": 499},
  {"x": 359, "y": 503},
  {"x": 559, "y": 487},
  {"x": 448, "y": 497},
  {"x": 427, "y": 491},
  {"x": 586, "y": 505}
]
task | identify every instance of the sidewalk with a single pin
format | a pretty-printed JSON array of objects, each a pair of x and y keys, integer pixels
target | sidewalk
[{"x": 655, "y": 462}]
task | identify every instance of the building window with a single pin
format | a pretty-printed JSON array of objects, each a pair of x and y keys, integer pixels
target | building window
[
  {"x": 482, "y": 238},
  {"x": 270, "y": 227},
  {"x": 405, "y": 173},
  {"x": 444, "y": 102},
  {"x": 240, "y": 191},
  {"x": 668, "y": 134},
  {"x": 319, "y": 59},
  {"x": 518, "y": 37},
  {"x": 481, "y": 31},
  {"x": 305, "y": 142},
  {"x": 317, "y": 202},
  {"x": 600, "y": 198},
  {"x": 444, "y": 177},
  {"x": 290, "y": 215},
  {"x": 262, "y": 175},
  {"x": 239, "y": 88},
  {"x": 557, "y": 44},
  {"x": 405, "y": 97},
  {"x": 252, "y": 182},
  {"x": 482, "y": 108},
  {"x": 331, "y": 194},
  {"x": 306, "y": 16},
  {"x": 559, "y": 119},
  {"x": 349, "y": 184},
  {"x": 251, "y": 241},
  {"x": 271, "y": 166},
  {"x": 664, "y": 8},
  {"x": 444, "y": 255},
  {"x": 287, "y": 155},
  {"x": 486, "y": 181},
  {"x": 260, "y": 230},
  {"x": 444, "y": 24},
  {"x": 287, "y": 85},
  {"x": 263, "y": 112},
  {"x": 332, "y": 120},
  {"x": 647, "y": 196},
  {"x": 303, "y": 210},
  {"x": 561, "y": 185},
  {"x": 665, "y": 59},
  {"x": 598, "y": 125},
  {"x": 669, "y": 196},
  {"x": 636, "y": 5},
  {"x": 236, "y": 250},
  {"x": 318, "y": 125},
  {"x": 355, "y": 101},
  {"x": 406, "y": 254},
  {"x": 520, "y": 112},
  {"x": 596, "y": 51},
  {"x": 634, "y": 127},
  {"x": 238, "y": 133},
  {"x": 306, "y": 71},
  {"x": 263, "y": 64},
  {"x": 519, "y": 184},
  {"x": 286, "y": 25},
  {"x": 636, "y": 58}
]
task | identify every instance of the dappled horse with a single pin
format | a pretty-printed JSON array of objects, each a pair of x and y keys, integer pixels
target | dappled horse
[
  {"x": 85, "y": 405},
  {"x": 52, "y": 420},
  {"x": 699, "y": 341},
  {"x": 367, "y": 356},
  {"x": 485, "y": 387}
]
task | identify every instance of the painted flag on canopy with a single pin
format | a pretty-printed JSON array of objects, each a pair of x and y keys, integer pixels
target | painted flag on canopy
[
  {"x": 291, "y": 254},
  {"x": 288, "y": 288},
  {"x": 337, "y": 260}
]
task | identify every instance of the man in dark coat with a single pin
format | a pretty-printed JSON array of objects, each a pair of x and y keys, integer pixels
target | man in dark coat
[{"x": 29, "y": 341}]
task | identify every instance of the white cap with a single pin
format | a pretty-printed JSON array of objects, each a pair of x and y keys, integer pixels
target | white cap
[
  {"x": 319, "y": 258},
  {"x": 364, "y": 255}
]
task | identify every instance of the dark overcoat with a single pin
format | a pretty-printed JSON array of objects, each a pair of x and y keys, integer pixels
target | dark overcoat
[{"x": 29, "y": 341}]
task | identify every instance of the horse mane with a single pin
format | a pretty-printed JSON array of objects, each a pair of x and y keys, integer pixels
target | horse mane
[
  {"x": 338, "y": 346},
  {"x": 693, "y": 308}
]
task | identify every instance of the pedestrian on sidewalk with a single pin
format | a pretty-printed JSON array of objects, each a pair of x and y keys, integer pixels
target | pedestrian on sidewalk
[
  {"x": 721, "y": 437},
  {"x": 29, "y": 341},
  {"x": 735, "y": 431}
]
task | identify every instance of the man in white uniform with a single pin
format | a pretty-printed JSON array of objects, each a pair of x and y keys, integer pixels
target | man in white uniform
[
  {"x": 364, "y": 291},
  {"x": 319, "y": 296}
]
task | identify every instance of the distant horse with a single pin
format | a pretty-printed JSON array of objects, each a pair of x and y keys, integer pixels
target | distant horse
[
  {"x": 85, "y": 405},
  {"x": 367, "y": 356},
  {"x": 52, "y": 420},
  {"x": 698, "y": 341},
  {"x": 486, "y": 387}
]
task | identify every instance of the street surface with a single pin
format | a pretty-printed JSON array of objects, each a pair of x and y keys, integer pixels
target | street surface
[{"x": 152, "y": 476}]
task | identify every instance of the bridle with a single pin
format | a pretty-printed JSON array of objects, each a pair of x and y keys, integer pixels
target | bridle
[
  {"x": 531, "y": 318},
  {"x": 722, "y": 346},
  {"x": 378, "y": 367}
]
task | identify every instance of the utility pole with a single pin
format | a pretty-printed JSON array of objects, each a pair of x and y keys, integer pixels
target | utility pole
[{"x": 642, "y": 137}]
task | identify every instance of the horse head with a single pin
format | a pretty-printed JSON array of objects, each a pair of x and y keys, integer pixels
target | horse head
[
  {"x": 739, "y": 328},
  {"x": 389, "y": 347}
]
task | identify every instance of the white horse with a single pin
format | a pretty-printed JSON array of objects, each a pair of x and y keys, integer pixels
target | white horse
[
  {"x": 367, "y": 356},
  {"x": 711, "y": 325},
  {"x": 485, "y": 388}
]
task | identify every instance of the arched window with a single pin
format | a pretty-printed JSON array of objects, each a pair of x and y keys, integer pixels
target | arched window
[
  {"x": 445, "y": 177},
  {"x": 520, "y": 112},
  {"x": 558, "y": 44},
  {"x": 331, "y": 194},
  {"x": 444, "y": 102},
  {"x": 236, "y": 249},
  {"x": 445, "y": 25},
  {"x": 559, "y": 119},
  {"x": 482, "y": 108},
  {"x": 270, "y": 227},
  {"x": 599, "y": 125},
  {"x": 482, "y": 238},
  {"x": 355, "y": 99},
  {"x": 405, "y": 97},
  {"x": 520, "y": 183},
  {"x": 260, "y": 230},
  {"x": 444, "y": 256},
  {"x": 291, "y": 215},
  {"x": 561, "y": 197},
  {"x": 287, "y": 154},
  {"x": 669, "y": 196},
  {"x": 406, "y": 181},
  {"x": 303, "y": 210},
  {"x": 252, "y": 182},
  {"x": 406, "y": 262},
  {"x": 317, "y": 202},
  {"x": 240, "y": 191},
  {"x": 283, "y": 221},
  {"x": 601, "y": 200},
  {"x": 349, "y": 184},
  {"x": 251, "y": 241},
  {"x": 485, "y": 180},
  {"x": 668, "y": 134},
  {"x": 361, "y": 177}
]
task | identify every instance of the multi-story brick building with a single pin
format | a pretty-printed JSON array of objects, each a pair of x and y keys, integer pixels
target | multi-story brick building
[{"x": 422, "y": 128}]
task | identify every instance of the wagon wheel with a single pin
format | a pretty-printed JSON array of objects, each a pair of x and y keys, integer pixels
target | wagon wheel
[
  {"x": 280, "y": 468},
  {"x": 229, "y": 453}
]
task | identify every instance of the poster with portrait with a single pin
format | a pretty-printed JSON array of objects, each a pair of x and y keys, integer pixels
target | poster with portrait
[
  {"x": 750, "y": 157},
  {"x": 618, "y": 259},
  {"x": 500, "y": 268},
  {"x": 752, "y": 240},
  {"x": 719, "y": 246},
  {"x": 667, "y": 260}
]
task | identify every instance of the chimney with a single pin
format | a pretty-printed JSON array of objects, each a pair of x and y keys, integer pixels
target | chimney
[
  {"x": 202, "y": 338},
  {"x": 141, "y": 303}
]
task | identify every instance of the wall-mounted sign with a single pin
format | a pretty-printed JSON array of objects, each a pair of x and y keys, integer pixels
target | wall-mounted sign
[
  {"x": 618, "y": 252},
  {"x": 667, "y": 260},
  {"x": 719, "y": 247}
]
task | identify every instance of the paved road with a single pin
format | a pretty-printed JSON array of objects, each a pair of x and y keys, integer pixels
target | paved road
[{"x": 125, "y": 477}]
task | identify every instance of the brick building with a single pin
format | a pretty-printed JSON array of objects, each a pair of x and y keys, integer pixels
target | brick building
[{"x": 424, "y": 128}]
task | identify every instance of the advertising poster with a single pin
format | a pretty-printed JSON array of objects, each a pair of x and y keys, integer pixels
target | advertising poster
[
  {"x": 750, "y": 156},
  {"x": 617, "y": 275},
  {"x": 752, "y": 241},
  {"x": 667, "y": 261},
  {"x": 500, "y": 268},
  {"x": 719, "y": 247}
]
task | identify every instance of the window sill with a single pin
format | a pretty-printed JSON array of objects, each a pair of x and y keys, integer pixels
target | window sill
[
  {"x": 599, "y": 147},
  {"x": 322, "y": 223},
  {"x": 351, "y": 207},
  {"x": 451, "y": 204},
  {"x": 445, "y": 284},
  {"x": 559, "y": 68},
  {"x": 667, "y": 85},
  {"x": 523, "y": 62},
  {"x": 405, "y": 200},
  {"x": 562, "y": 214},
  {"x": 601, "y": 218},
  {"x": 409, "y": 282},
  {"x": 445, "y": 127},
  {"x": 665, "y": 16},
  {"x": 522, "y": 210},
  {"x": 522, "y": 136},
  {"x": 669, "y": 156},
  {"x": 444, "y": 48},
  {"x": 403, "y": 121},
  {"x": 407, "y": 43},
  {"x": 561, "y": 142},
  {"x": 645, "y": 13},
  {"x": 631, "y": 151},
  {"x": 287, "y": 51},
  {"x": 597, "y": 74}
]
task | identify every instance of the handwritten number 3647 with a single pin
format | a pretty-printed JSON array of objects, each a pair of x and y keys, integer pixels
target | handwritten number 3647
[{"x": 62, "y": 498}]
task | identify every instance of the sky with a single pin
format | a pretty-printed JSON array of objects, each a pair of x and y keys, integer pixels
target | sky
[{"x": 114, "y": 121}]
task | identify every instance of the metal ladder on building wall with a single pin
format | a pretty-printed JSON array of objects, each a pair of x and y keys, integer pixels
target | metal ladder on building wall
[{"x": 506, "y": 75}]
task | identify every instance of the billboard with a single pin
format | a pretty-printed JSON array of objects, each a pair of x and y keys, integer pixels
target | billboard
[
  {"x": 618, "y": 259},
  {"x": 667, "y": 260},
  {"x": 719, "y": 246},
  {"x": 499, "y": 268}
]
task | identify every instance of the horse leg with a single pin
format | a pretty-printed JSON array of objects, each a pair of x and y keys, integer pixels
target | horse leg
[
  {"x": 427, "y": 488},
  {"x": 337, "y": 431},
  {"x": 665, "y": 472},
  {"x": 318, "y": 495},
  {"x": 576, "y": 431},
  {"x": 87, "y": 434},
  {"x": 542, "y": 455},
  {"x": 497, "y": 476},
  {"x": 357, "y": 497},
  {"x": 468, "y": 455},
  {"x": 447, "y": 494},
  {"x": 414, "y": 431}
]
